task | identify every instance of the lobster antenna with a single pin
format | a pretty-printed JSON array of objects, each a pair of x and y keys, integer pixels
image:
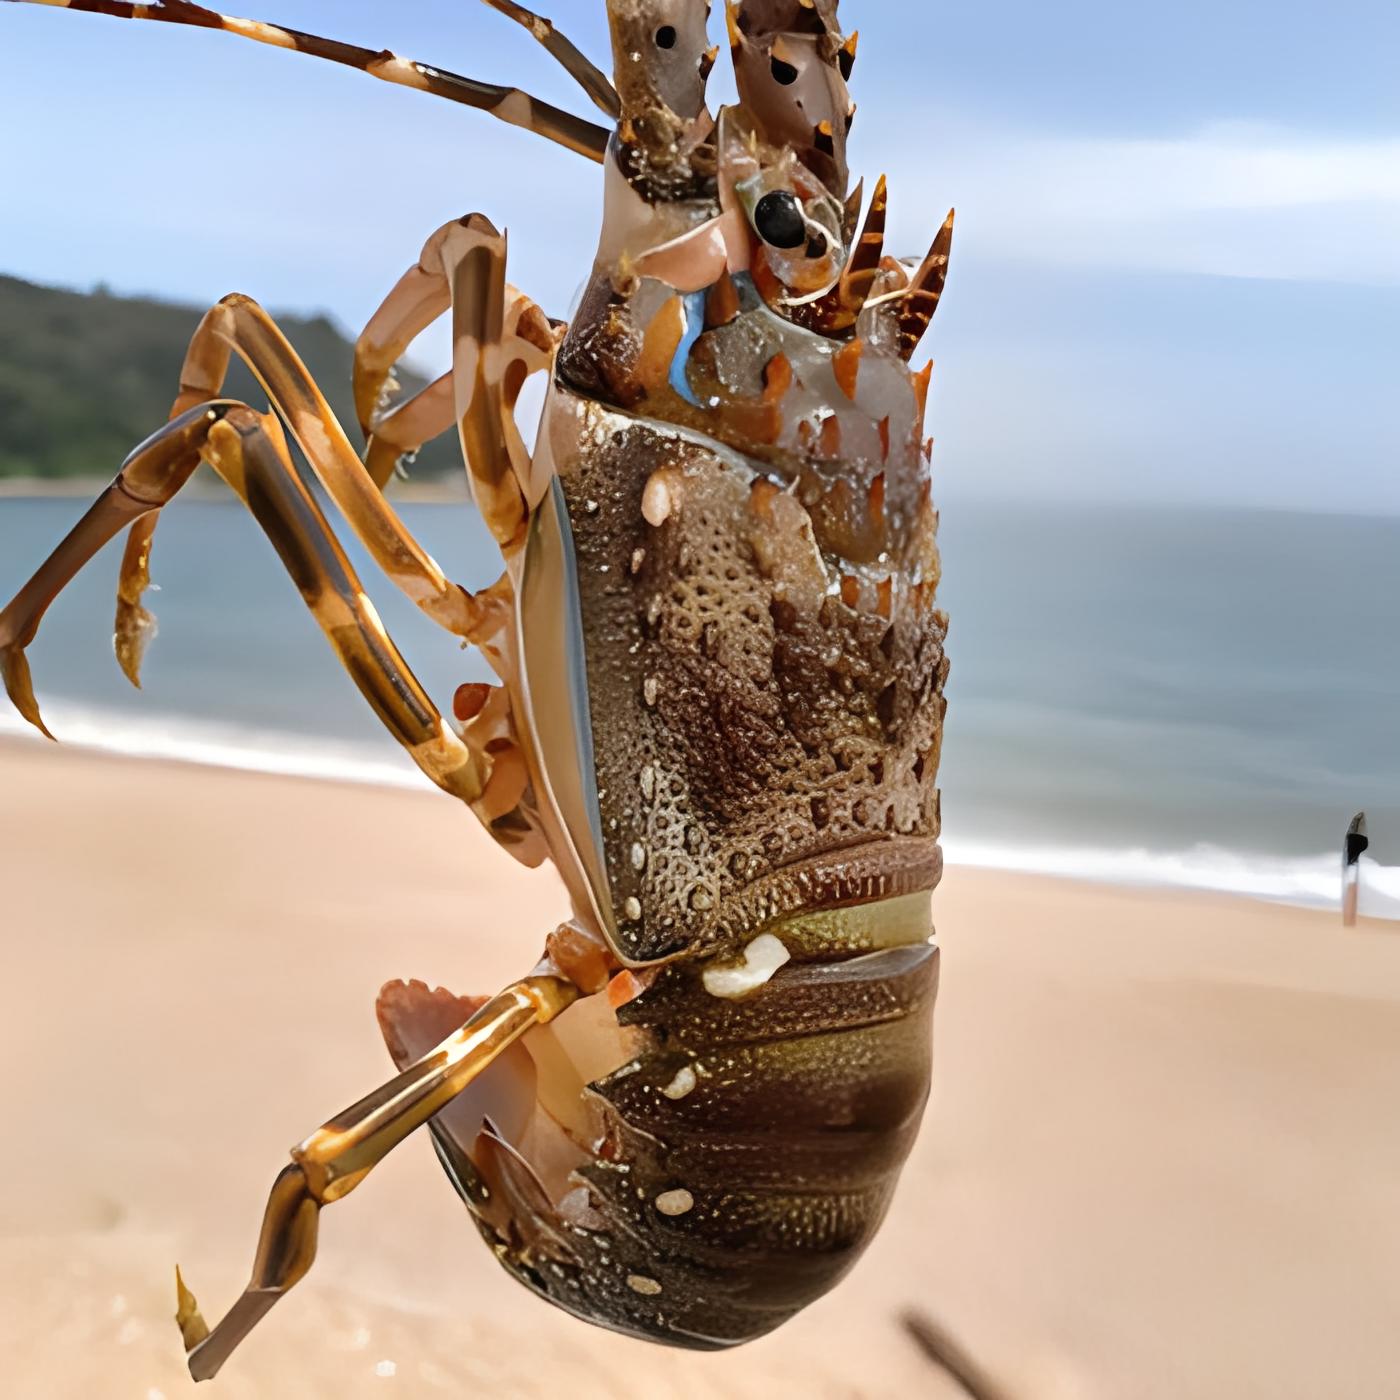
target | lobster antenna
[
  {"x": 507, "y": 103},
  {"x": 584, "y": 72}
]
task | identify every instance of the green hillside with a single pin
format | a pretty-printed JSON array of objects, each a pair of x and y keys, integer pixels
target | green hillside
[{"x": 85, "y": 377}]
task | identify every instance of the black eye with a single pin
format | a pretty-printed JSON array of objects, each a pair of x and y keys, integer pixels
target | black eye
[
  {"x": 783, "y": 73},
  {"x": 666, "y": 37},
  {"x": 778, "y": 219}
]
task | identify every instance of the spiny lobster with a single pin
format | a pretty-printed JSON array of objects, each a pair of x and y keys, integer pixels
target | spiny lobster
[{"x": 721, "y": 667}]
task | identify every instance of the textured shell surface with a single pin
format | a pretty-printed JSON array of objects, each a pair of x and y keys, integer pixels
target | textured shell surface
[
  {"x": 737, "y": 710},
  {"x": 743, "y": 484}
]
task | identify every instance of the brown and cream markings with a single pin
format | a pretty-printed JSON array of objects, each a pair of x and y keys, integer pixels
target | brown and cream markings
[{"x": 721, "y": 669}]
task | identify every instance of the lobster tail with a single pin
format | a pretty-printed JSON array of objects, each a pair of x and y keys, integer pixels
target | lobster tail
[{"x": 744, "y": 1157}]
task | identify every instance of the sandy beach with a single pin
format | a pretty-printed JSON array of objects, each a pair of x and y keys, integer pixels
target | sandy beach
[{"x": 1160, "y": 1161}]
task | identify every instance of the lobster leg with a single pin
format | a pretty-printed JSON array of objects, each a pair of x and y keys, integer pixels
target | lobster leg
[
  {"x": 239, "y": 325},
  {"x": 500, "y": 338},
  {"x": 248, "y": 450},
  {"x": 403, "y": 428},
  {"x": 336, "y": 1158},
  {"x": 149, "y": 477}
]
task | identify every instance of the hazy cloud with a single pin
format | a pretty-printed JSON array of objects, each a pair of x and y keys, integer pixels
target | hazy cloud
[{"x": 1228, "y": 200}]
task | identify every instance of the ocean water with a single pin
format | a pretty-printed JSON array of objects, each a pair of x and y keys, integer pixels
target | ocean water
[{"x": 1161, "y": 696}]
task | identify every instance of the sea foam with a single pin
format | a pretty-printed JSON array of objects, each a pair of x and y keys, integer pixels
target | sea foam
[{"x": 1304, "y": 880}]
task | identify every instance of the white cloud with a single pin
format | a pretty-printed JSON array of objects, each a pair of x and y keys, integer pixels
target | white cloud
[{"x": 1230, "y": 200}]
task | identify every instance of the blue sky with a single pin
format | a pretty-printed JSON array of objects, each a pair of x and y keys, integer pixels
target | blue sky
[{"x": 1177, "y": 274}]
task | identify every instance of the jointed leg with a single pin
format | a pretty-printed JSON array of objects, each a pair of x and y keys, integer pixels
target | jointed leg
[
  {"x": 500, "y": 338},
  {"x": 403, "y": 428},
  {"x": 238, "y": 324},
  {"x": 335, "y": 1159},
  {"x": 149, "y": 477},
  {"x": 247, "y": 449}
]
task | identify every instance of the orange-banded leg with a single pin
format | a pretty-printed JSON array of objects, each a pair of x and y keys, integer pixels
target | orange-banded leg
[
  {"x": 149, "y": 477},
  {"x": 249, "y": 451},
  {"x": 239, "y": 325},
  {"x": 500, "y": 338},
  {"x": 336, "y": 1158}
]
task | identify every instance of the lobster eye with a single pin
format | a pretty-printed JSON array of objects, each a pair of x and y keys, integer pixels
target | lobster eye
[
  {"x": 778, "y": 219},
  {"x": 783, "y": 73}
]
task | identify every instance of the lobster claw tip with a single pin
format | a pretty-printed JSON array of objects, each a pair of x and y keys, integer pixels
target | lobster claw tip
[
  {"x": 14, "y": 671},
  {"x": 136, "y": 629},
  {"x": 188, "y": 1318}
]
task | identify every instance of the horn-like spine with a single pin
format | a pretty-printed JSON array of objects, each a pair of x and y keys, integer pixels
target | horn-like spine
[
  {"x": 839, "y": 310},
  {"x": 920, "y": 302}
]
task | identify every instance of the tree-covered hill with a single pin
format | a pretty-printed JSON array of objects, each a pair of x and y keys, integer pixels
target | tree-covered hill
[{"x": 85, "y": 377}]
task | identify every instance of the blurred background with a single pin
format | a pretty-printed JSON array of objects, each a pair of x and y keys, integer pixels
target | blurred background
[
  {"x": 1160, "y": 1160},
  {"x": 1164, "y": 398}
]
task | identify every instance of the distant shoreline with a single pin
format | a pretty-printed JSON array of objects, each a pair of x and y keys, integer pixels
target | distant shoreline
[{"x": 87, "y": 488}]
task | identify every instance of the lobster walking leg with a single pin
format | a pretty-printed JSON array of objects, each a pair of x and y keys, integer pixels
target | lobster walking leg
[
  {"x": 249, "y": 453},
  {"x": 403, "y": 428},
  {"x": 239, "y": 325},
  {"x": 149, "y": 477},
  {"x": 336, "y": 1158},
  {"x": 248, "y": 450},
  {"x": 500, "y": 338}
]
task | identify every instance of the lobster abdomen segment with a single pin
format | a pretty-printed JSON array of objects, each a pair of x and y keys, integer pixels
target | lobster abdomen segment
[{"x": 737, "y": 1175}]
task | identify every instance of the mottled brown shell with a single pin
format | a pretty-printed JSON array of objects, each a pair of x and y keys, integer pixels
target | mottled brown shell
[
  {"x": 763, "y": 707},
  {"x": 747, "y": 1156}
]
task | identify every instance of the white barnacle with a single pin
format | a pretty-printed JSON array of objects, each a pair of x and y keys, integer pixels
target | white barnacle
[
  {"x": 684, "y": 1083},
  {"x": 735, "y": 981},
  {"x": 640, "y": 1283},
  {"x": 675, "y": 1203},
  {"x": 657, "y": 500}
]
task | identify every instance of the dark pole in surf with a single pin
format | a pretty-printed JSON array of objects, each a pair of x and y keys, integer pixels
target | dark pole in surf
[{"x": 1353, "y": 847}]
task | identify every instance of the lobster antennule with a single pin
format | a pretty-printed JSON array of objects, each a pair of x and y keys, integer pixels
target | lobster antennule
[
  {"x": 920, "y": 302},
  {"x": 508, "y": 104},
  {"x": 580, "y": 67}
]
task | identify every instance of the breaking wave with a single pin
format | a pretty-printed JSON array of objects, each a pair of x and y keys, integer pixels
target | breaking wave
[{"x": 1303, "y": 880}]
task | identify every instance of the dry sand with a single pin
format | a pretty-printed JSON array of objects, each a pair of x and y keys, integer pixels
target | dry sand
[{"x": 1162, "y": 1159}]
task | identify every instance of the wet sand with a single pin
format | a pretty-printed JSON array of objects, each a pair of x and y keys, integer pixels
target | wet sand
[{"x": 1162, "y": 1158}]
